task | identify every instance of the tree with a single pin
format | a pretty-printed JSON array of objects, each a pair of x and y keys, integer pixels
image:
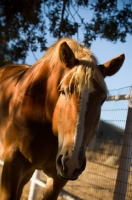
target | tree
[
  {"x": 22, "y": 27},
  {"x": 25, "y": 24}
]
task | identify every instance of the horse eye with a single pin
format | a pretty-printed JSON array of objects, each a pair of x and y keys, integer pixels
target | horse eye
[
  {"x": 62, "y": 92},
  {"x": 103, "y": 101}
]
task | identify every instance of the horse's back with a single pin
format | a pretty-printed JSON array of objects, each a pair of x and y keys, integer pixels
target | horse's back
[
  {"x": 8, "y": 70},
  {"x": 9, "y": 77}
]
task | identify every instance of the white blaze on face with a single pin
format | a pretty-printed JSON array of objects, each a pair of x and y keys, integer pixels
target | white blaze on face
[{"x": 73, "y": 163}]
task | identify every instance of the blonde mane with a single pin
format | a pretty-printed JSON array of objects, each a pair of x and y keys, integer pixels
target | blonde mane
[{"x": 82, "y": 74}]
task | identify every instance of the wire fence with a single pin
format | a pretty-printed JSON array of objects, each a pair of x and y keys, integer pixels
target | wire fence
[{"x": 107, "y": 170}]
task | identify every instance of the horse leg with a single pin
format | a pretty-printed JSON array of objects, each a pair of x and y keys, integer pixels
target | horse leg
[
  {"x": 13, "y": 170},
  {"x": 25, "y": 178},
  {"x": 53, "y": 188}
]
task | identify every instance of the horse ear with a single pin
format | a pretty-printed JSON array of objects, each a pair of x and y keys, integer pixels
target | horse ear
[
  {"x": 67, "y": 56},
  {"x": 112, "y": 66}
]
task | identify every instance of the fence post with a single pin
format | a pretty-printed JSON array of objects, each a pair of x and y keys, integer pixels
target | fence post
[
  {"x": 125, "y": 158},
  {"x": 34, "y": 187}
]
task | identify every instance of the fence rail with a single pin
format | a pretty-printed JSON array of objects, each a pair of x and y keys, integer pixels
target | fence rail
[{"x": 119, "y": 97}]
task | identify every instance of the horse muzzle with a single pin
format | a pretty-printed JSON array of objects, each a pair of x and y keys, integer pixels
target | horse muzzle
[{"x": 69, "y": 169}]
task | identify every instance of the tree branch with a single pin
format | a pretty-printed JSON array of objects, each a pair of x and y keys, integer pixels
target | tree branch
[{"x": 62, "y": 18}]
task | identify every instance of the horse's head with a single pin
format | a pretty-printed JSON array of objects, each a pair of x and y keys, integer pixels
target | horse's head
[{"x": 77, "y": 112}]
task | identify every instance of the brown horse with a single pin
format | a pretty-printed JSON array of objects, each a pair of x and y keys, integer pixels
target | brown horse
[{"x": 48, "y": 114}]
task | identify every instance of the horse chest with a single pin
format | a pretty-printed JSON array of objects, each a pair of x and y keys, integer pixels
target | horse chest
[{"x": 35, "y": 143}]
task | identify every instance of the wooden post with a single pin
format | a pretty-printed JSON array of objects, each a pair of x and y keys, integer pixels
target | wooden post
[{"x": 125, "y": 158}]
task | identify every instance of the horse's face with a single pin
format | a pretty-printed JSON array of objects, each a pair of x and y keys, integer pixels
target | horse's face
[{"x": 75, "y": 120}]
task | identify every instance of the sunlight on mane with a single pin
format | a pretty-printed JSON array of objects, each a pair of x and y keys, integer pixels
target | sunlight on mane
[
  {"x": 84, "y": 73},
  {"x": 82, "y": 76}
]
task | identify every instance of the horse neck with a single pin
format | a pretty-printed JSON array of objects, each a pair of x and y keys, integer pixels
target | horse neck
[{"x": 42, "y": 83}]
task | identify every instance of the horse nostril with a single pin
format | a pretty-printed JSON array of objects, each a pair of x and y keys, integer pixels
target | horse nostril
[
  {"x": 59, "y": 161},
  {"x": 69, "y": 171}
]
